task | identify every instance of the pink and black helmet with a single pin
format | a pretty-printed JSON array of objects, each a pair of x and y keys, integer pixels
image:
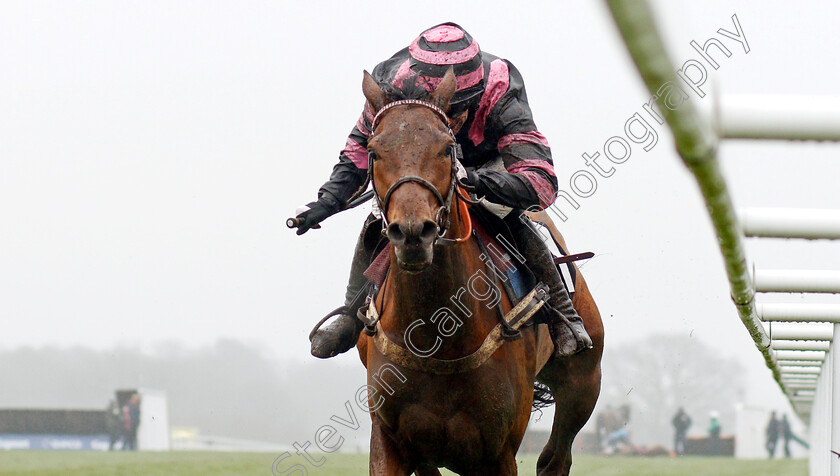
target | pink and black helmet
[{"x": 439, "y": 48}]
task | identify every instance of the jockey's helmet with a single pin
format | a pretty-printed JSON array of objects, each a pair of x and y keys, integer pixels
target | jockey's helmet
[{"x": 444, "y": 46}]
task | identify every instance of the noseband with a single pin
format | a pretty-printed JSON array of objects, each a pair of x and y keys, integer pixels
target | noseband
[{"x": 443, "y": 213}]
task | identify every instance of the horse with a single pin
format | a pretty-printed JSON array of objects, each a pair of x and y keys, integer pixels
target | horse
[{"x": 438, "y": 396}]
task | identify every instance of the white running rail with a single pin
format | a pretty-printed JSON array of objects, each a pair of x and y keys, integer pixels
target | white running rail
[{"x": 804, "y": 361}]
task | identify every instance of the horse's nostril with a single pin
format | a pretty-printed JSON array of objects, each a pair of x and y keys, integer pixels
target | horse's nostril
[
  {"x": 412, "y": 233},
  {"x": 395, "y": 233},
  {"x": 429, "y": 231}
]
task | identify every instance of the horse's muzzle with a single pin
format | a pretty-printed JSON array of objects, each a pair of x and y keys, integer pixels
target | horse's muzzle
[{"x": 413, "y": 243}]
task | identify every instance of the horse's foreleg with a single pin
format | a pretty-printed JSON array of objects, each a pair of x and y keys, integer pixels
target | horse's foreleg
[
  {"x": 556, "y": 458},
  {"x": 576, "y": 383},
  {"x": 576, "y": 393},
  {"x": 385, "y": 458}
]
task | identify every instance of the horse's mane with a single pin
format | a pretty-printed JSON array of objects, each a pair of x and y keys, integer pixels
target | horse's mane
[
  {"x": 411, "y": 88},
  {"x": 416, "y": 87}
]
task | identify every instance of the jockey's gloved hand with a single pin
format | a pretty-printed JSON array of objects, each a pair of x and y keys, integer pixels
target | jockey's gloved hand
[
  {"x": 312, "y": 214},
  {"x": 470, "y": 181}
]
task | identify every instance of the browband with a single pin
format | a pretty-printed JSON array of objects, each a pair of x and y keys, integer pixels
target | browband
[{"x": 409, "y": 102}]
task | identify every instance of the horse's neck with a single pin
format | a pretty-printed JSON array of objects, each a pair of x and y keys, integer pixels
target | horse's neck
[{"x": 442, "y": 293}]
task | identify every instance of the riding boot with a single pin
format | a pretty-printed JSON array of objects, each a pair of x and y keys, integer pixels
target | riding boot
[
  {"x": 341, "y": 335},
  {"x": 564, "y": 323}
]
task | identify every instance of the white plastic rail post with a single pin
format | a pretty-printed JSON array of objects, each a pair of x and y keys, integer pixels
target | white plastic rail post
[{"x": 835, "y": 403}]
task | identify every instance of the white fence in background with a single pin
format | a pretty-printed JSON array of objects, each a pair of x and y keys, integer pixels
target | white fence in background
[{"x": 801, "y": 354}]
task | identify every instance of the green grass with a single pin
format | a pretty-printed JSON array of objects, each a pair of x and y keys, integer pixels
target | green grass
[{"x": 46, "y": 463}]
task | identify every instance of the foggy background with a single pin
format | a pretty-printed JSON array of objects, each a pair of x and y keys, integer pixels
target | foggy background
[
  {"x": 233, "y": 389},
  {"x": 150, "y": 153}
]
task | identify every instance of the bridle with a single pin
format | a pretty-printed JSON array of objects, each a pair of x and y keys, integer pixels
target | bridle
[{"x": 442, "y": 217}]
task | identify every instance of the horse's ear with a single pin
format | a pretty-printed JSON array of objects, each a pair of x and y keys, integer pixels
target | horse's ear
[
  {"x": 374, "y": 94},
  {"x": 441, "y": 96}
]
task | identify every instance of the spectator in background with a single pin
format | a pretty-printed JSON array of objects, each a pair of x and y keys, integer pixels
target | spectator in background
[
  {"x": 772, "y": 434},
  {"x": 131, "y": 416},
  {"x": 113, "y": 424},
  {"x": 714, "y": 432},
  {"x": 681, "y": 422},
  {"x": 788, "y": 435}
]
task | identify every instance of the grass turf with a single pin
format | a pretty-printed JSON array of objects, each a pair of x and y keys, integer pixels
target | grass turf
[{"x": 47, "y": 463}]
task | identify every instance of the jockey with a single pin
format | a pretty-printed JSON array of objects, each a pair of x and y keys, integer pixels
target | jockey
[{"x": 499, "y": 124}]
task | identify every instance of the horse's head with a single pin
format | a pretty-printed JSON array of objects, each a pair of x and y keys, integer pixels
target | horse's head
[{"x": 411, "y": 167}]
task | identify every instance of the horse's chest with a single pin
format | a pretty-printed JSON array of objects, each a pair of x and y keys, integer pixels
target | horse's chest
[
  {"x": 446, "y": 421},
  {"x": 457, "y": 439}
]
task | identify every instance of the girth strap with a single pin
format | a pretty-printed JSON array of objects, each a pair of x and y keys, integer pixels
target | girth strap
[{"x": 515, "y": 318}]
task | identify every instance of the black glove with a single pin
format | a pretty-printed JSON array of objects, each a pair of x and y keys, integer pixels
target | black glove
[
  {"x": 470, "y": 182},
  {"x": 309, "y": 219}
]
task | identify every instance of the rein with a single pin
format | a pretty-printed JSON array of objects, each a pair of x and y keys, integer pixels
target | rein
[{"x": 444, "y": 210}]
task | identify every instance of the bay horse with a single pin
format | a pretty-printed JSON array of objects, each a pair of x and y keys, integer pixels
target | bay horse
[{"x": 433, "y": 403}]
